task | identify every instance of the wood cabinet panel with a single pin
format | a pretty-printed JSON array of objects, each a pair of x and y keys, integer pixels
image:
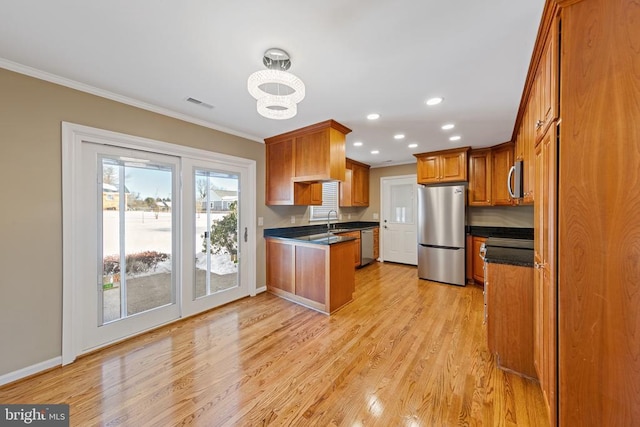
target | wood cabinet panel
[
  {"x": 297, "y": 161},
  {"x": 357, "y": 249},
  {"x": 344, "y": 189},
  {"x": 312, "y": 155},
  {"x": 342, "y": 272},
  {"x": 280, "y": 265},
  {"x": 502, "y": 160},
  {"x": 545, "y": 300},
  {"x": 453, "y": 167},
  {"x": 279, "y": 170},
  {"x": 598, "y": 220},
  {"x": 428, "y": 169},
  {"x": 315, "y": 275},
  {"x": 509, "y": 291},
  {"x": 354, "y": 190},
  {"x": 360, "y": 186},
  {"x": 316, "y": 193},
  {"x": 478, "y": 264},
  {"x": 311, "y": 272},
  {"x": 442, "y": 166},
  {"x": 376, "y": 243},
  {"x": 480, "y": 163}
]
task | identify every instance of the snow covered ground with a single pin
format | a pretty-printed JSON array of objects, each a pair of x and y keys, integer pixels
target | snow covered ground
[{"x": 148, "y": 231}]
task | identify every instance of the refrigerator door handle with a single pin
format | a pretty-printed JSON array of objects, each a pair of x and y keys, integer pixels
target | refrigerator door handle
[{"x": 511, "y": 171}]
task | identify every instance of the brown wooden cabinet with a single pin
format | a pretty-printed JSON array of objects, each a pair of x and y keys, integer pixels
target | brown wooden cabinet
[
  {"x": 509, "y": 296},
  {"x": 502, "y": 160},
  {"x": 356, "y": 253},
  {"x": 477, "y": 262},
  {"x": 442, "y": 166},
  {"x": 539, "y": 112},
  {"x": 545, "y": 299},
  {"x": 354, "y": 190},
  {"x": 297, "y": 161},
  {"x": 376, "y": 243},
  {"x": 315, "y": 275},
  {"x": 480, "y": 175}
]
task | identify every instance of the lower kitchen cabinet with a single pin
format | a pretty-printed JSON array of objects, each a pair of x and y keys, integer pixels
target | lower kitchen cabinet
[
  {"x": 356, "y": 254},
  {"x": 477, "y": 262},
  {"x": 319, "y": 276},
  {"x": 509, "y": 295}
]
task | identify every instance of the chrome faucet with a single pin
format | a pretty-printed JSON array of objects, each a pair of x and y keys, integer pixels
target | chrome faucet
[{"x": 329, "y": 219}]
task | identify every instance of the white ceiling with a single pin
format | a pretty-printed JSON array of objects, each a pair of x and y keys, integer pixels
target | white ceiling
[{"x": 355, "y": 57}]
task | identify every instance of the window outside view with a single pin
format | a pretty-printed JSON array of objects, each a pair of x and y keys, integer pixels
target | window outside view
[{"x": 138, "y": 231}]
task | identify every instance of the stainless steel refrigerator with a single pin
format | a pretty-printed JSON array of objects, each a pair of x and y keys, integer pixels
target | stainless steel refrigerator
[{"x": 441, "y": 234}]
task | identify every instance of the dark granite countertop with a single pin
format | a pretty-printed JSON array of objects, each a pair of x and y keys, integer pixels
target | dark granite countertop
[
  {"x": 505, "y": 232},
  {"x": 510, "y": 256},
  {"x": 317, "y": 233}
]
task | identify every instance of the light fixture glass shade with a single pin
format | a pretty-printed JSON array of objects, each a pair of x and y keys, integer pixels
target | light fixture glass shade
[
  {"x": 277, "y": 77},
  {"x": 284, "y": 109},
  {"x": 277, "y": 91}
]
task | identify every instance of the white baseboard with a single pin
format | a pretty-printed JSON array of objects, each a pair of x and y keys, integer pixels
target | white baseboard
[
  {"x": 261, "y": 290},
  {"x": 30, "y": 370}
]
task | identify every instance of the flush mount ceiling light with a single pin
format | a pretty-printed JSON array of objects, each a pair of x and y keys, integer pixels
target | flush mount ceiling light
[
  {"x": 373, "y": 116},
  {"x": 448, "y": 126},
  {"x": 434, "y": 101},
  {"x": 277, "y": 92}
]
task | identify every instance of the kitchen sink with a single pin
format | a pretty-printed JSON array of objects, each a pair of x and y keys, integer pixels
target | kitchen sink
[{"x": 323, "y": 237}]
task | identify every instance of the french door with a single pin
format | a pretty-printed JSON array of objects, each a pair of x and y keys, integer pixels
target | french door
[
  {"x": 132, "y": 262},
  {"x": 151, "y": 232}
]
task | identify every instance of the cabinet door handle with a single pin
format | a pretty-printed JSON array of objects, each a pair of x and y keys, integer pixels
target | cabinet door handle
[
  {"x": 539, "y": 124},
  {"x": 246, "y": 235},
  {"x": 511, "y": 171}
]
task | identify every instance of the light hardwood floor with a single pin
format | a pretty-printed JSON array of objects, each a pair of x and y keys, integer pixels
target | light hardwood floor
[{"x": 405, "y": 352}]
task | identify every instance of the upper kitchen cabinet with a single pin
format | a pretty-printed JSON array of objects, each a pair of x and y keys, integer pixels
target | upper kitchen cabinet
[
  {"x": 480, "y": 163},
  {"x": 538, "y": 109},
  {"x": 502, "y": 160},
  {"x": 298, "y": 161},
  {"x": 442, "y": 166},
  {"x": 354, "y": 189}
]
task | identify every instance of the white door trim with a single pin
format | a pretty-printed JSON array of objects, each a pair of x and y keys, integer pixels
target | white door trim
[
  {"x": 383, "y": 208},
  {"x": 72, "y": 137}
]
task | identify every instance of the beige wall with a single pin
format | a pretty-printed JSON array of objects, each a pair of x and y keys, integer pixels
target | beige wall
[{"x": 31, "y": 111}]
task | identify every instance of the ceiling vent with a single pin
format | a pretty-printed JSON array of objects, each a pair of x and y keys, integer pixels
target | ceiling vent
[{"x": 200, "y": 103}]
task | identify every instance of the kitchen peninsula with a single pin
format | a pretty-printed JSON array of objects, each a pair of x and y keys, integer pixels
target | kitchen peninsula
[{"x": 312, "y": 266}]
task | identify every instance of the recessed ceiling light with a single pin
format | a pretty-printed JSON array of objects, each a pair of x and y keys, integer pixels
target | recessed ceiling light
[
  {"x": 398, "y": 136},
  {"x": 413, "y": 145},
  {"x": 448, "y": 126},
  {"x": 373, "y": 116},
  {"x": 375, "y": 152},
  {"x": 434, "y": 101},
  {"x": 455, "y": 138},
  {"x": 357, "y": 144}
]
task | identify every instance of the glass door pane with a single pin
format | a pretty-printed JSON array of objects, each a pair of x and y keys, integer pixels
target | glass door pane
[
  {"x": 137, "y": 230},
  {"x": 216, "y": 232}
]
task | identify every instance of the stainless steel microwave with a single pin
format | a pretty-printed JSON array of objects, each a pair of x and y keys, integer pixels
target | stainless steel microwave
[{"x": 515, "y": 180}]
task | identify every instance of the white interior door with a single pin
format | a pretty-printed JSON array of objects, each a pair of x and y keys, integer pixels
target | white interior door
[{"x": 399, "y": 219}]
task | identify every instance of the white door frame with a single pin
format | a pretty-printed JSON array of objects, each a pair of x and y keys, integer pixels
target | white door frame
[
  {"x": 73, "y": 136},
  {"x": 383, "y": 207}
]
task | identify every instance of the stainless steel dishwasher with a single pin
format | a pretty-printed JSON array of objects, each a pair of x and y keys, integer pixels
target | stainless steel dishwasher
[{"x": 366, "y": 247}]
